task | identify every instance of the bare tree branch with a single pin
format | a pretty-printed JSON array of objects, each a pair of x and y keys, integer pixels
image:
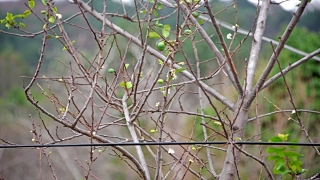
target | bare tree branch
[
  {"x": 290, "y": 67},
  {"x": 275, "y": 112},
  {"x": 231, "y": 72},
  {"x": 256, "y": 43},
  {"x": 283, "y": 39},
  {"x": 135, "y": 138},
  {"x": 155, "y": 53}
]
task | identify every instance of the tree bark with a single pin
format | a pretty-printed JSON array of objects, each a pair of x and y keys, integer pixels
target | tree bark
[{"x": 229, "y": 171}]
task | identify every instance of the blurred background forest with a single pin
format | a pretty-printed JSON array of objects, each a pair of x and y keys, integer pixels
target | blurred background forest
[{"x": 19, "y": 57}]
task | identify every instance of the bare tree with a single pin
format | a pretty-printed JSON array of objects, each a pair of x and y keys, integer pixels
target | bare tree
[{"x": 139, "y": 83}]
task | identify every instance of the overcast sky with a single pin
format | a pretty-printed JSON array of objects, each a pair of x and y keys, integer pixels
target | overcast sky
[{"x": 291, "y": 5}]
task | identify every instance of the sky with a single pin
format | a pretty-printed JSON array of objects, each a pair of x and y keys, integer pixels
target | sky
[
  {"x": 291, "y": 5},
  {"x": 288, "y": 5}
]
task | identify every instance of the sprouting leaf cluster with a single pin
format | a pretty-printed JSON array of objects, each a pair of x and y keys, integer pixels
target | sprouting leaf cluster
[
  {"x": 11, "y": 20},
  {"x": 286, "y": 159}
]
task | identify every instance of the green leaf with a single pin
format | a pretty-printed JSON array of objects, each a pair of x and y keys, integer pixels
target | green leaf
[
  {"x": 166, "y": 30},
  {"x": 200, "y": 21},
  {"x": 44, "y": 2},
  {"x": 143, "y": 11},
  {"x": 180, "y": 70},
  {"x": 26, "y": 13},
  {"x": 64, "y": 48},
  {"x": 9, "y": 17},
  {"x": 18, "y": 16},
  {"x": 122, "y": 84},
  {"x": 158, "y": 19},
  {"x": 167, "y": 27},
  {"x": 160, "y": 62},
  {"x": 275, "y": 139},
  {"x": 22, "y": 25},
  {"x": 283, "y": 137},
  {"x": 275, "y": 150},
  {"x": 273, "y": 158},
  {"x": 285, "y": 172},
  {"x": 294, "y": 140},
  {"x": 155, "y": 13},
  {"x": 270, "y": 150},
  {"x": 51, "y": 19},
  {"x": 43, "y": 12},
  {"x": 280, "y": 167},
  {"x": 296, "y": 166},
  {"x": 31, "y": 4},
  {"x": 2, "y": 21},
  {"x": 48, "y": 37},
  {"x": 44, "y": 26},
  {"x": 8, "y": 25},
  {"x": 158, "y": 6},
  {"x": 129, "y": 85},
  {"x": 126, "y": 66},
  {"x": 292, "y": 146},
  {"x": 166, "y": 52},
  {"x": 290, "y": 154},
  {"x": 154, "y": 34},
  {"x": 55, "y": 9}
]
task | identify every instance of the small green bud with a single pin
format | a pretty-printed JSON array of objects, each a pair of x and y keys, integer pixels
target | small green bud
[
  {"x": 195, "y": 14},
  {"x": 160, "y": 81},
  {"x": 160, "y": 25},
  {"x": 187, "y": 31},
  {"x": 161, "y": 45},
  {"x": 110, "y": 70}
]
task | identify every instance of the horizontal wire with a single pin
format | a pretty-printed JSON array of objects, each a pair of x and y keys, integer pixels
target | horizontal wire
[{"x": 157, "y": 143}]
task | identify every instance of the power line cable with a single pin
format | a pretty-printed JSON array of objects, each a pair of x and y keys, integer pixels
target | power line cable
[{"x": 159, "y": 143}]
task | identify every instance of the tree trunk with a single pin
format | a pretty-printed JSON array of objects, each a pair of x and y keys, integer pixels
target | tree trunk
[{"x": 229, "y": 171}]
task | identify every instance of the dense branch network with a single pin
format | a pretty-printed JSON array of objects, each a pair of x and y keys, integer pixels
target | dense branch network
[{"x": 141, "y": 83}]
